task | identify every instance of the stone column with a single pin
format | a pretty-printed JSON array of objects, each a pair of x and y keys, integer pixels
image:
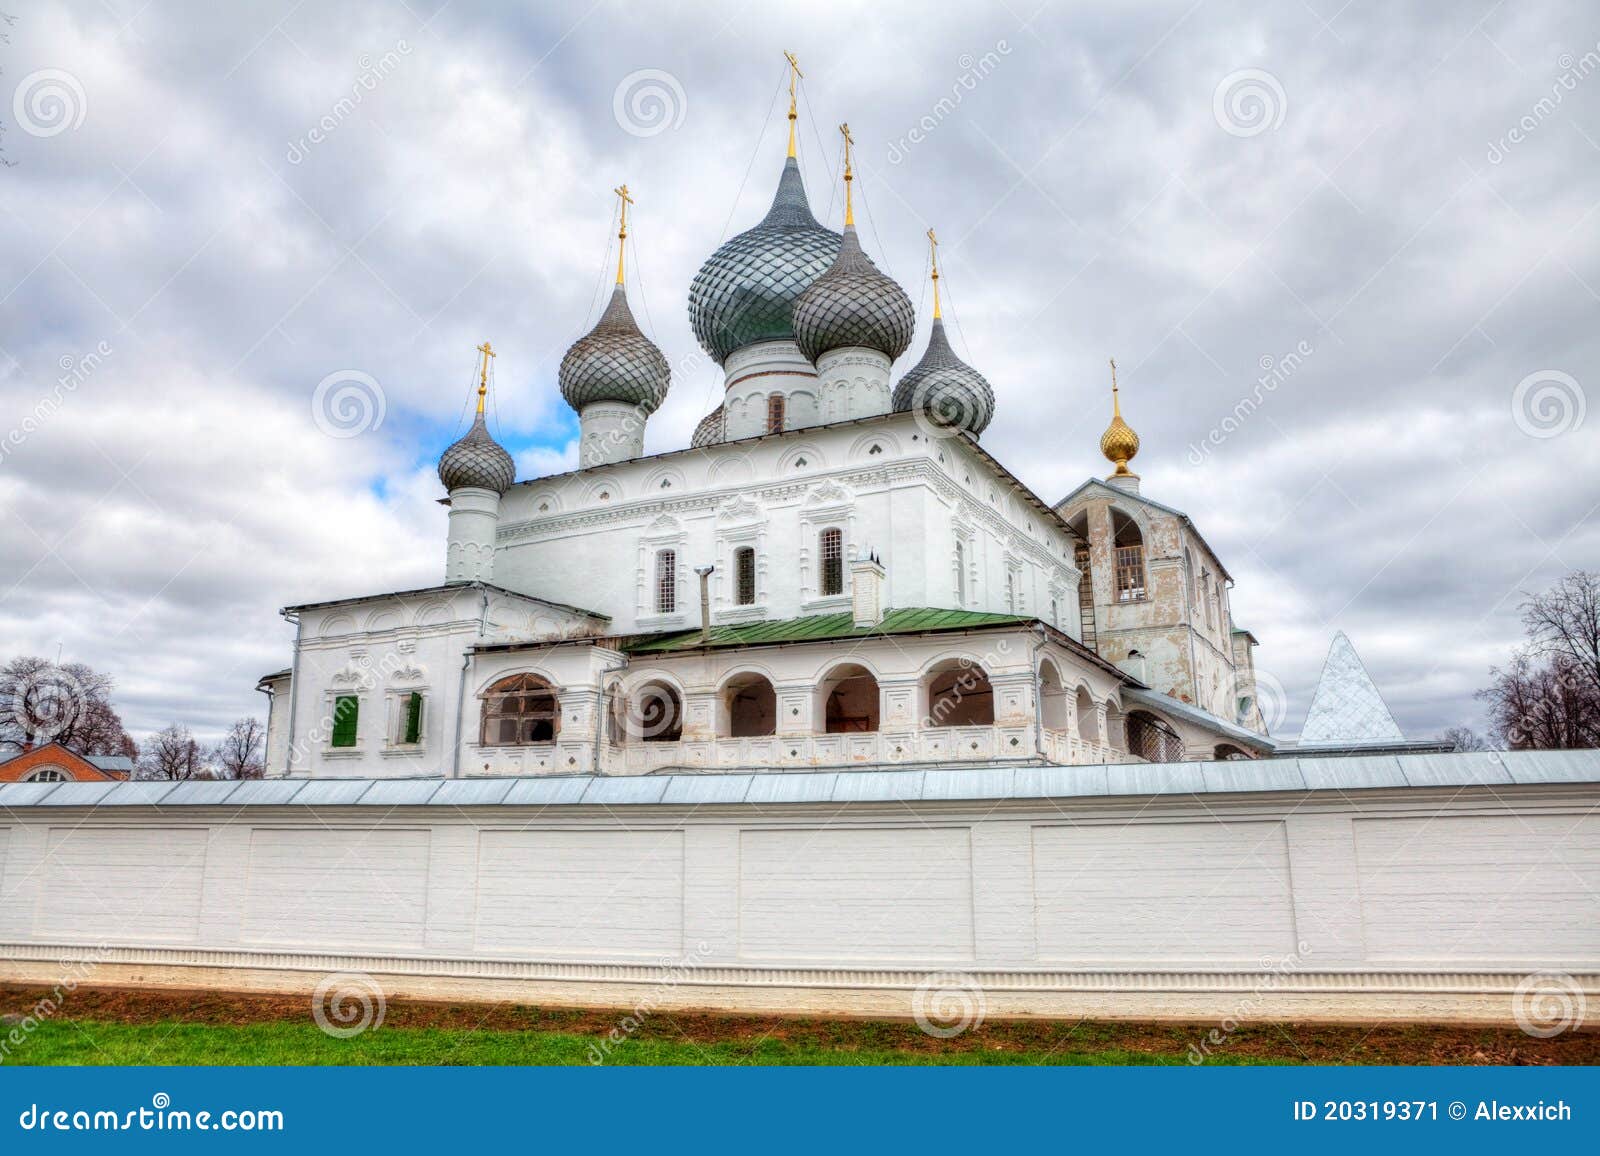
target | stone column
[{"x": 474, "y": 519}]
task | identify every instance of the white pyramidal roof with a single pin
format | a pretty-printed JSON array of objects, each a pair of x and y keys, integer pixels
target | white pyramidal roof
[{"x": 1347, "y": 707}]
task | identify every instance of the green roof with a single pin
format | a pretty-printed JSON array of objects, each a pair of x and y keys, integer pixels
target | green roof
[{"x": 819, "y": 628}]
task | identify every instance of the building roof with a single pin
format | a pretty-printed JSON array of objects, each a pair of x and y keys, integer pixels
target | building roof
[
  {"x": 820, "y": 628},
  {"x": 1165, "y": 703},
  {"x": 1346, "y": 709},
  {"x": 448, "y": 586},
  {"x": 1025, "y": 784}
]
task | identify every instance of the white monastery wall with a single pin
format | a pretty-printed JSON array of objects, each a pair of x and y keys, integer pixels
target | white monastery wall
[{"x": 1428, "y": 902}]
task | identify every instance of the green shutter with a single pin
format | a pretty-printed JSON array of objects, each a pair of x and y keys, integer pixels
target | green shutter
[
  {"x": 346, "y": 708},
  {"x": 414, "y": 718}
]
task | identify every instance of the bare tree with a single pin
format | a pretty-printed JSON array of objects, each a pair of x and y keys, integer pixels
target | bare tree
[
  {"x": 1465, "y": 739},
  {"x": 1564, "y": 623},
  {"x": 172, "y": 753},
  {"x": 42, "y": 701},
  {"x": 1542, "y": 704},
  {"x": 240, "y": 754}
]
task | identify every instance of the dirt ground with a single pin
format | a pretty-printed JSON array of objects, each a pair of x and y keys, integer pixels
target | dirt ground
[{"x": 1306, "y": 1043}]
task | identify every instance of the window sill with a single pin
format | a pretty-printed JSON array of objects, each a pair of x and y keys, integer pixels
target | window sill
[
  {"x": 740, "y": 614},
  {"x": 651, "y": 622},
  {"x": 827, "y": 602},
  {"x": 403, "y": 750},
  {"x": 343, "y": 752}
]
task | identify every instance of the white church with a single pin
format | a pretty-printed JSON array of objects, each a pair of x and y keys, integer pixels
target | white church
[{"x": 834, "y": 574}]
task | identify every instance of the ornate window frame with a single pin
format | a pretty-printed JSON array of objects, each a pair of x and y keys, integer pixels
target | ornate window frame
[{"x": 665, "y": 533}]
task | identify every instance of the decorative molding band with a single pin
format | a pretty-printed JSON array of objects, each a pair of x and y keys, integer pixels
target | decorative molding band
[{"x": 1355, "y": 981}]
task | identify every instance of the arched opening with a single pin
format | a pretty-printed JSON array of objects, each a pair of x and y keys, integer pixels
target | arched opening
[
  {"x": 48, "y": 775},
  {"x": 1227, "y": 752},
  {"x": 959, "y": 695},
  {"x": 1128, "y": 546},
  {"x": 1052, "y": 698},
  {"x": 1088, "y": 717},
  {"x": 775, "y": 413},
  {"x": 654, "y": 714},
  {"x": 849, "y": 700},
  {"x": 520, "y": 709},
  {"x": 751, "y": 705},
  {"x": 1153, "y": 739}
]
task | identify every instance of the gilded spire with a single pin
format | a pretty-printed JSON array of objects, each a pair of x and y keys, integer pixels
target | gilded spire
[
  {"x": 483, "y": 373},
  {"x": 933, "y": 260},
  {"x": 794, "y": 113},
  {"x": 1119, "y": 443},
  {"x": 622, "y": 233},
  {"x": 849, "y": 206}
]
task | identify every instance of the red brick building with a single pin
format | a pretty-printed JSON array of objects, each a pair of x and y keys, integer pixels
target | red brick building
[{"x": 54, "y": 763}]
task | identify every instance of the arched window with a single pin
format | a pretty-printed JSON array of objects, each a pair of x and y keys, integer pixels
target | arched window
[
  {"x": 775, "y": 413},
  {"x": 654, "y": 714},
  {"x": 48, "y": 775},
  {"x": 751, "y": 706},
  {"x": 1210, "y": 600},
  {"x": 518, "y": 710},
  {"x": 1011, "y": 591},
  {"x": 744, "y": 573},
  {"x": 959, "y": 695},
  {"x": 961, "y": 574},
  {"x": 849, "y": 697},
  {"x": 830, "y": 547},
  {"x": 1228, "y": 753},
  {"x": 1152, "y": 739},
  {"x": 666, "y": 581},
  {"x": 1129, "y": 548}
]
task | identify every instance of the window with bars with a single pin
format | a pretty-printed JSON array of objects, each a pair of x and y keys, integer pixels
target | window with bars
[
  {"x": 1130, "y": 573},
  {"x": 666, "y": 582},
  {"x": 744, "y": 574},
  {"x": 830, "y": 546},
  {"x": 775, "y": 413},
  {"x": 1152, "y": 739},
  {"x": 519, "y": 710},
  {"x": 346, "y": 713}
]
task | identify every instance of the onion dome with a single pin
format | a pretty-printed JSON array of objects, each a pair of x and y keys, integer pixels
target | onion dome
[
  {"x": 710, "y": 431},
  {"x": 614, "y": 361},
  {"x": 477, "y": 460},
  {"x": 745, "y": 292},
  {"x": 946, "y": 388},
  {"x": 1119, "y": 443},
  {"x": 853, "y": 304}
]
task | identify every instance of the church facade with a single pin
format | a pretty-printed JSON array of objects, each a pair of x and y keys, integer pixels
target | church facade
[{"x": 834, "y": 574}]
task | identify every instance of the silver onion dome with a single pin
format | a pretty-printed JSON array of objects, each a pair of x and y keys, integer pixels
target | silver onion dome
[
  {"x": 477, "y": 460},
  {"x": 710, "y": 431},
  {"x": 853, "y": 304},
  {"x": 614, "y": 361},
  {"x": 947, "y": 389},
  {"x": 745, "y": 291}
]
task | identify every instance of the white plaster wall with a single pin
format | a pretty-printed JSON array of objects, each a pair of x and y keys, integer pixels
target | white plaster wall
[{"x": 1333, "y": 891}]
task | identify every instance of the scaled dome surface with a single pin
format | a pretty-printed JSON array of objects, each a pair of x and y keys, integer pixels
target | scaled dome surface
[
  {"x": 614, "y": 361},
  {"x": 745, "y": 291},
  {"x": 477, "y": 460},
  {"x": 853, "y": 304},
  {"x": 946, "y": 388}
]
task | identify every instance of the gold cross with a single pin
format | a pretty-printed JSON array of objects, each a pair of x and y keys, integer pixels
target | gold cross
[
  {"x": 622, "y": 233},
  {"x": 483, "y": 373},
  {"x": 849, "y": 209},
  {"x": 794, "y": 75},
  {"x": 933, "y": 259}
]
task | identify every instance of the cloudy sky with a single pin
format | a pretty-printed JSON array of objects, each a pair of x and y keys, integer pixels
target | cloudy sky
[{"x": 1386, "y": 210}]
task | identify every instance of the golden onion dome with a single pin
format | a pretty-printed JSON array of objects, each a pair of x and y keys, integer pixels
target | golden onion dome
[{"x": 1119, "y": 443}]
